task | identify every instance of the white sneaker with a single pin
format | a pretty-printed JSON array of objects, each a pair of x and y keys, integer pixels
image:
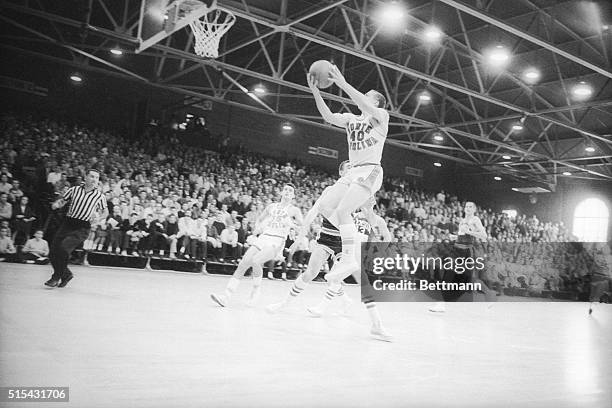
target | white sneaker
[
  {"x": 379, "y": 333},
  {"x": 221, "y": 300},
  {"x": 124, "y": 253},
  {"x": 439, "y": 307},
  {"x": 172, "y": 256},
  {"x": 275, "y": 307},
  {"x": 315, "y": 311},
  {"x": 255, "y": 293}
]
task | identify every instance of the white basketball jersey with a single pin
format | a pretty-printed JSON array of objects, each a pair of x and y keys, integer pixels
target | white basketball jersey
[
  {"x": 366, "y": 139},
  {"x": 280, "y": 221}
]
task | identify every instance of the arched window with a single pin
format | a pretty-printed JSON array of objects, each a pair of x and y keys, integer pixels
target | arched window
[{"x": 591, "y": 221}]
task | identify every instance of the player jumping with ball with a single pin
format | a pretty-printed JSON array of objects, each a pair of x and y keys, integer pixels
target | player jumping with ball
[
  {"x": 278, "y": 219},
  {"x": 366, "y": 136}
]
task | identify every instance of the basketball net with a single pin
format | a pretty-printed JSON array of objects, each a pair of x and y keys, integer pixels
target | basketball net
[{"x": 208, "y": 31}]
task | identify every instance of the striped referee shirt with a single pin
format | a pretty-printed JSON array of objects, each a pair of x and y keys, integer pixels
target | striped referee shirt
[{"x": 83, "y": 204}]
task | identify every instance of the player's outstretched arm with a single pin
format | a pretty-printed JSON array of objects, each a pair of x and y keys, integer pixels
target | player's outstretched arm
[
  {"x": 336, "y": 119},
  {"x": 362, "y": 101}
]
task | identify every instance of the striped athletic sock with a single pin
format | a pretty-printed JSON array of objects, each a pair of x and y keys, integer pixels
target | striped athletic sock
[
  {"x": 330, "y": 294},
  {"x": 373, "y": 312},
  {"x": 298, "y": 287}
]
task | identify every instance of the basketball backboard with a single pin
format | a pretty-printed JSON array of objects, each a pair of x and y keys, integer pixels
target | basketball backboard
[{"x": 161, "y": 18}]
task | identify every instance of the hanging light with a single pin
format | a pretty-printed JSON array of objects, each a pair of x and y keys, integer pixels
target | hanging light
[
  {"x": 497, "y": 56},
  {"x": 259, "y": 89},
  {"x": 582, "y": 91},
  {"x": 391, "y": 13},
  {"x": 432, "y": 34},
  {"x": 438, "y": 137},
  {"x": 424, "y": 97},
  {"x": 531, "y": 75}
]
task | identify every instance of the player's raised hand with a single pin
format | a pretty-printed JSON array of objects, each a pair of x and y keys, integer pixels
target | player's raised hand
[
  {"x": 336, "y": 76},
  {"x": 312, "y": 82}
]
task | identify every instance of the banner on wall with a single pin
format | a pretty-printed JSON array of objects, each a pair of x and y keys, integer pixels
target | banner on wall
[
  {"x": 323, "y": 151},
  {"x": 411, "y": 171},
  {"x": 204, "y": 104}
]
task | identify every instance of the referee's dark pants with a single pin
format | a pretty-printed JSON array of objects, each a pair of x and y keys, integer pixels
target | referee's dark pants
[{"x": 70, "y": 235}]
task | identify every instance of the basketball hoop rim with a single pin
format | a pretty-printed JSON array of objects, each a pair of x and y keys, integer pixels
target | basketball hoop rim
[{"x": 208, "y": 31}]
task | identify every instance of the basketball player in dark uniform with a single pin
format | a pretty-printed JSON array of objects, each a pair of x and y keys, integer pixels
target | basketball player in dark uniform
[
  {"x": 366, "y": 223},
  {"x": 470, "y": 229}
]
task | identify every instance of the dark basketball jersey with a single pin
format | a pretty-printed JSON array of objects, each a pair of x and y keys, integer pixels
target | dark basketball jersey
[
  {"x": 466, "y": 239},
  {"x": 363, "y": 227}
]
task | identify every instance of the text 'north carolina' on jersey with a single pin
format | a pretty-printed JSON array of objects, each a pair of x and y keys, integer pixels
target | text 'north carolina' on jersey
[
  {"x": 279, "y": 221},
  {"x": 366, "y": 139}
]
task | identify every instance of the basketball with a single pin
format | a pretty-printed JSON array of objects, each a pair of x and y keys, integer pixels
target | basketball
[{"x": 320, "y": 69}]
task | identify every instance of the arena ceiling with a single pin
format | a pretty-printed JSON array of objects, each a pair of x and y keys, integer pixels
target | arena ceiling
[{"x": 472, "y": 109}]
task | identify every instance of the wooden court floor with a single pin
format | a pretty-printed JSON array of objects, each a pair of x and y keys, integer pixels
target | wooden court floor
[{"x": 133, "y": 338}]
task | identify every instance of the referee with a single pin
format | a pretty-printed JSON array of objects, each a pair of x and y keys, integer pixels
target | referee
[{"x": 85, "y": 203}]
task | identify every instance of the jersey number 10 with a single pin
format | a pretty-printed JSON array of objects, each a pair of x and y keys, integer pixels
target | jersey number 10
[{"x": 360, "y": 135}]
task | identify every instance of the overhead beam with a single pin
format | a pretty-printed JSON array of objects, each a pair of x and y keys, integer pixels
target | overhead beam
[
  {"x": 231, "y": 6},
  {"x": 522, "y": 34}
]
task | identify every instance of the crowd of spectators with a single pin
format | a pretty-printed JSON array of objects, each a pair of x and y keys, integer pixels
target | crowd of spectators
[{"x": 167, "y": 198}]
